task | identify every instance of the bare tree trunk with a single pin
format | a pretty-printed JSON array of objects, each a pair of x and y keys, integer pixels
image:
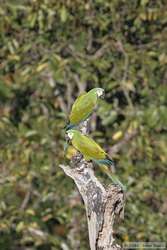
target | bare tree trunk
[{"x": 102, "y": 204}]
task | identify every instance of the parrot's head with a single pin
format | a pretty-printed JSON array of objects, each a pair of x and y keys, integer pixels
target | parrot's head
[
  {"x": 70, "y": 133},
  {"x": 99, "y": 92}
]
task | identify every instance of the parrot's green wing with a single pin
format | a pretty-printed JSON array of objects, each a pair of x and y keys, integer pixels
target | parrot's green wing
[
  {"x": 82, "y": 108},
  {"x": 88, "y": 147},
  {"x": 79, "y": 98}
]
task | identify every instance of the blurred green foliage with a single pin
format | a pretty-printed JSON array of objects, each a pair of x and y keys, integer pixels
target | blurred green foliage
[{"x": 50, "y": 51}]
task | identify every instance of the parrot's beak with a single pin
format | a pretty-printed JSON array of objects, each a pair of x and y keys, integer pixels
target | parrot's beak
[
  {"x": 67, "y": 139},
  {"x": 65, "y": 147},
  {"x": 66, "y": 144},
  {"x": 103, "y": 95}
]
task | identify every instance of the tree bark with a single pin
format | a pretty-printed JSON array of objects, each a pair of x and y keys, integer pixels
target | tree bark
[{"x": 102, "y": 204}]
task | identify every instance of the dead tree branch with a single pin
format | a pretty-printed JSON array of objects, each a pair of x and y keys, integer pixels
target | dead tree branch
[{"x": 102, "y": 204}]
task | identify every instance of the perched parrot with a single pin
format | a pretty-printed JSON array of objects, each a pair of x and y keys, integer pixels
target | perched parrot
[
  {"x": 84, "y": 106},
  {"x": 92, "y": 151},
  {"x": 89, "y": 148}
]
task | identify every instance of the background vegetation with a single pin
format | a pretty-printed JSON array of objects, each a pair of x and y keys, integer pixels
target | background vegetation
[{"x": 50, "y": 51}]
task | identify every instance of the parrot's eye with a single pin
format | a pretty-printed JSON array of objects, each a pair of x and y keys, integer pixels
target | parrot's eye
[
  {"x": 100, "y": 92},
  {"x": 70, "y": 135}
]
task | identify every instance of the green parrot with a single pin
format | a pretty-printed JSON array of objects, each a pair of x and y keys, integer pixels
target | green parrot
[
  {"x": 92, "y": 151},
  {"x": 89, "y": 148},
  {"x": 84, "y": 106}
]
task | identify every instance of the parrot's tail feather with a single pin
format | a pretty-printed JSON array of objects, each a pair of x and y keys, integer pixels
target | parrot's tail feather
[
  {"x": 70, "y": 126},
  {"x": 116, "y": 181},
  {"x": 65, "y": 147},
  {"x": 107, "y": 162}
]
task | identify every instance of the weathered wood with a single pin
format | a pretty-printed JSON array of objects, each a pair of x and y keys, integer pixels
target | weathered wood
[{"x": 102, "y": 204}]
